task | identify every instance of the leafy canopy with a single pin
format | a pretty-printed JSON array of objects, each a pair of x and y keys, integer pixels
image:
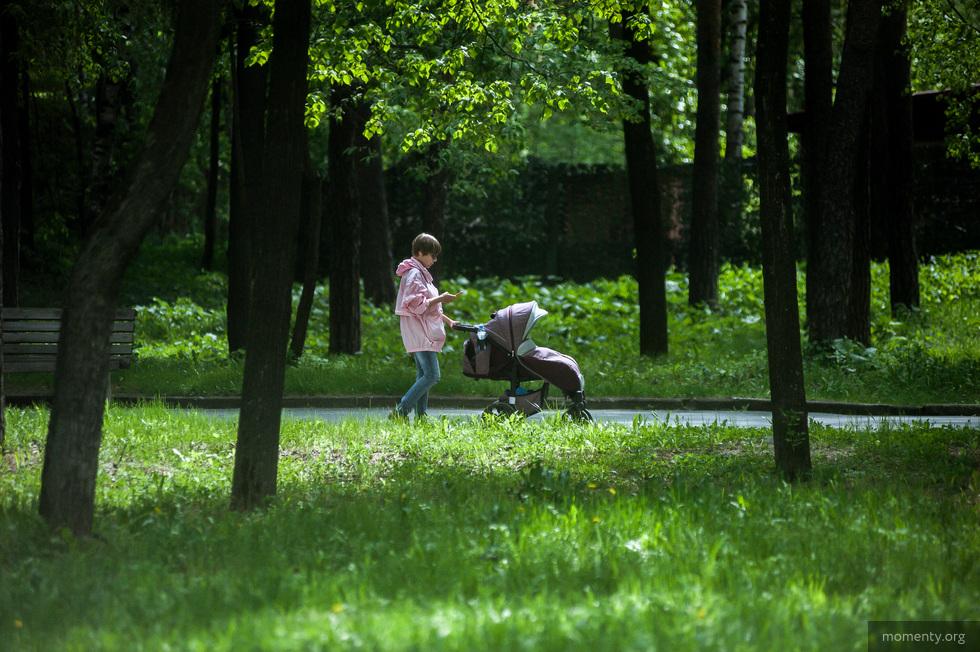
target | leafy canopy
[{"x": 944, "y": 36}]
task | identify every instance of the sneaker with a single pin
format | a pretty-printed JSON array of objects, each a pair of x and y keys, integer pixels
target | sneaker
[{"x": 397, "y": 415}]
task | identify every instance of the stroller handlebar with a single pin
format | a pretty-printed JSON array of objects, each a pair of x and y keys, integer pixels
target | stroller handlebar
[{"x": 470, "y": 328}]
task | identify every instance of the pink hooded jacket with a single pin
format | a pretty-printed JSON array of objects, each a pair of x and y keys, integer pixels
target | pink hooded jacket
[{"x": 422, "y": 324}]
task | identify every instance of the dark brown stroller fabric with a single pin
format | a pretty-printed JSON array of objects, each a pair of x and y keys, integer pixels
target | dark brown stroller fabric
[{"x": 501, "y": 349}]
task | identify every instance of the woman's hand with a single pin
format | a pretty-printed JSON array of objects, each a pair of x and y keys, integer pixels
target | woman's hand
[{"x": 447, "y": 297}]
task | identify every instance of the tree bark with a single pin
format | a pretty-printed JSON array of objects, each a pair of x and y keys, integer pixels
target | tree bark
[
  {"x": 892, "y": 167},
  {"x": 211, "y": 197},
  {"x": 702, "y": 261},
  {"x": 277, "y": 209},
  {"x": 832, "y": 259},
  {"x": 819, "y": 91},
  {"x": 858, "y": 318},
  {"x": 644, "y": 189},
  {"x": 311, "y": 217},
  {"x": 248, "y": 124},
  {"x": 731, "y": 193},
  {"x": 108, "y": 107},
  {"x": 735, "y": 92},
  {"x": 71, "y": 454},
  {"x": 434, "y": 197},
  {"x": 345, "y": 257},
  {"x": 377, "y": 263},
  {"x": 790, "y": 431},
  {"x": 28, "y": 228}
]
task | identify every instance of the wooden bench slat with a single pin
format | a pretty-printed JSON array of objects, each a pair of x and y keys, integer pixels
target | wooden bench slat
[
  {"x": 35, "y": 338},
  {"x": 31, "y": 336},
  {"x": 31, "y": 326},
  {"x": 31, "y": 313},
  {"x": 47, "y": 365},
  {"x": 54, "y": 327},
  {"x": 123, "y": 314},
  {"x": 55, "y": 314},
  {"x": 12, "y": 350}
]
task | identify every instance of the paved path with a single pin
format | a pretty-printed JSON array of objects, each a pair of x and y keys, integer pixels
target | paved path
[{"x": 746, "y": 419}]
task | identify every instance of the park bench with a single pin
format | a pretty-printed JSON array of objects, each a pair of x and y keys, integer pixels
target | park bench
[{"x": 30, "y": 339}]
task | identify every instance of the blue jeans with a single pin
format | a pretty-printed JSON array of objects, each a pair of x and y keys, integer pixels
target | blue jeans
[{"x": 426, "y": 375}]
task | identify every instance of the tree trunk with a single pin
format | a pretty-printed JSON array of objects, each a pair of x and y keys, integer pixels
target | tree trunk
[
  {"x": 377, "y": 264},
  {"x": 345, "y": 275},
  {"x": 79, "y": 142},
  {"x": 644, "y": 189},
  {"x": 819, "y": 89},
  {"x": 858, "y": 320},
  {"x": 10, "y": 194},
  {"x": 277, "y": 209},
  {"x": 108, "y": 103},
  {"x": 81, "y": 379},
  {"x": 248, "y": 125},
  {"x": 892, "y": 166},
  {"x": 28, "y": 228},
  {"x": 731, "y": 193},
  {"x": 434, "y": 197},
  {"x": 832, "y": 260},
  {"x": 211, "y": 198},
  {"x": 791, "y": 436},
  {"x": 735, "y": 111},
  {"x": 702, "y": 261},
  {"x": 311, "y": 217}
]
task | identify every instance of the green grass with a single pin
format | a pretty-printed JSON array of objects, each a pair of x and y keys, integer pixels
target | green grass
[{"x": 464, "y": 535}]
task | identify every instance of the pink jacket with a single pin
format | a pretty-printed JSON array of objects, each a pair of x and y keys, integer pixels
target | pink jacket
[{"x": 422, "y": 325}]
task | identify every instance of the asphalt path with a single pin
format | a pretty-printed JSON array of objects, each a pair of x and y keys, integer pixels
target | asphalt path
[
  {"x": 737, "y": 418},
  {"x": 735, "y": 411}
]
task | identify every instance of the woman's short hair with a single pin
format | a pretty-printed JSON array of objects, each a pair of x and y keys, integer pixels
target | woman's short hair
[{"x": 426, "y": 244}]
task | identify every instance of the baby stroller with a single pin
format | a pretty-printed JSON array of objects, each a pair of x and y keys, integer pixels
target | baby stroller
[{"x": 500, "y": 350}]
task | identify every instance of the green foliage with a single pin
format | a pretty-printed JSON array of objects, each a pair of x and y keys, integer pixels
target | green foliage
[
  {"x": 944, "y": 37},
  {"x": 454, "y": 70},
  {"x": 491, "y": 536}
]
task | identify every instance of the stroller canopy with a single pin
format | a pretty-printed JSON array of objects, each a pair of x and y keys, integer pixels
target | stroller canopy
[{"x": 511, "y": 326}]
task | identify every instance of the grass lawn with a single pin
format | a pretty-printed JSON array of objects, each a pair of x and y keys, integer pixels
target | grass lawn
[{"x": 465, "y": 535}]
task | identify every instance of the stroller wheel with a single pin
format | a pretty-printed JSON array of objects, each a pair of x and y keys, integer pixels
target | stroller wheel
[
  {"x": 499, "y": 409},
  {"x": 578, "y": 413}
]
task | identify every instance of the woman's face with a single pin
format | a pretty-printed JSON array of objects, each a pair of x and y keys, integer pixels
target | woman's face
[{"x": 427, "y": 260}]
